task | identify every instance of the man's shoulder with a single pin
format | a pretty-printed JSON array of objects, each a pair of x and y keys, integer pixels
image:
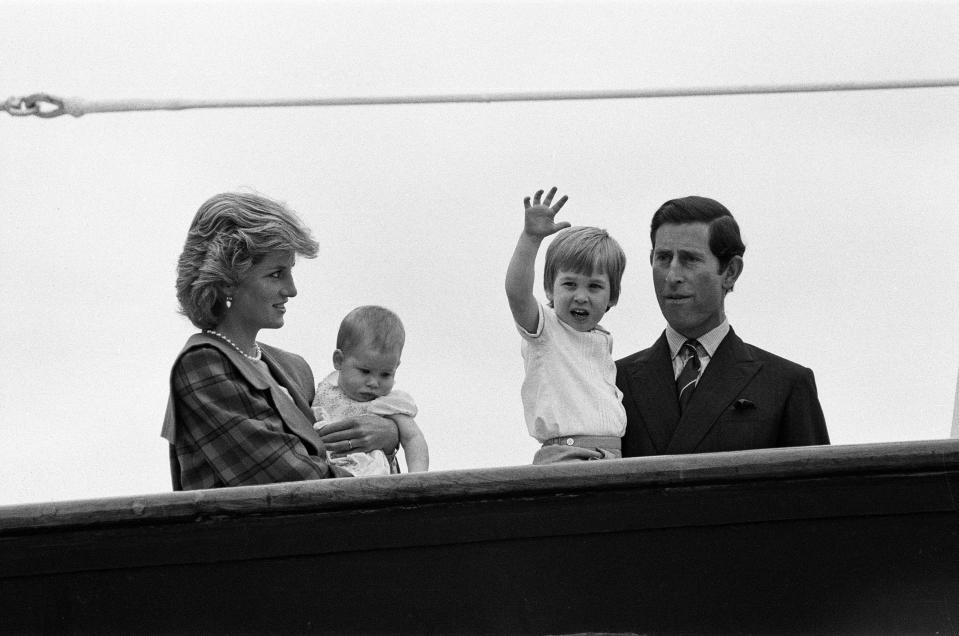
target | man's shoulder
[
  {"x": 772, "y": 360},
  {"x": 642, "y": 355}
]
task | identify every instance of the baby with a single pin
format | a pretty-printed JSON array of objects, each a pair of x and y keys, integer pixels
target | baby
[
  {"x": 368, "y": 349},
  {"x": 570, "y": 399}
]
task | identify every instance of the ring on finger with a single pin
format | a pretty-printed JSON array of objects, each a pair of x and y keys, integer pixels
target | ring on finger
[{"x": 350, "y": 442}]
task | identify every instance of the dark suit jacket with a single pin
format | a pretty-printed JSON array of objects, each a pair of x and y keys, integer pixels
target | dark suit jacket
[{"x": 746, "y": 398}]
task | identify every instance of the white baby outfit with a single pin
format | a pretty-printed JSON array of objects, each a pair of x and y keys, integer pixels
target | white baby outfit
[{"x": 331, "y": 404}]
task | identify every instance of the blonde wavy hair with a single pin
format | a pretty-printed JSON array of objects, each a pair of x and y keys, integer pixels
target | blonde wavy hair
[{"x": 230, "y": 233}]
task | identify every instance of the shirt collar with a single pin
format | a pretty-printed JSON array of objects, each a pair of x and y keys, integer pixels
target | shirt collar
[{"x": 709, "y": 340}]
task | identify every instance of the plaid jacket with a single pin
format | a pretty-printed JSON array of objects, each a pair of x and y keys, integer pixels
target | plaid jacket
[{"x": 229, "y": 426}]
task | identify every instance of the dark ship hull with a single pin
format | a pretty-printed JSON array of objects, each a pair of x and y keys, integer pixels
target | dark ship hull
[{"x": 842, "y": 539}]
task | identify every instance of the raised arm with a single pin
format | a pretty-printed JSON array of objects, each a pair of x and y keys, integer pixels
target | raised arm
[{"x": 520, "y": 274}]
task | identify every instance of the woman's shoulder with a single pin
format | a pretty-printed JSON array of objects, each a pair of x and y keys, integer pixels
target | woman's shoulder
[
  {"x": 202, "y": 355},
  {"x": 200, "y": 350},
  {"x": 202, "y": 358}
]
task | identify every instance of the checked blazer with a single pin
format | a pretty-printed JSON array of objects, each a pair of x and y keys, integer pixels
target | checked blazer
[
  {"x": 746, "y": 398},
  {"x": 229, "y": 425}
]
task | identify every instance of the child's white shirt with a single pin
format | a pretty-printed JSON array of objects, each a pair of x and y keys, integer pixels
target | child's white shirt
[{"x": 570, "y": 384}]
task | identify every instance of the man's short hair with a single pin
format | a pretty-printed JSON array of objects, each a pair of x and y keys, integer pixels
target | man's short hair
[
  {"x": 584, "y": 250},
  {"x": 725, "y": 241},
  {"x": 373, "y": 326}
]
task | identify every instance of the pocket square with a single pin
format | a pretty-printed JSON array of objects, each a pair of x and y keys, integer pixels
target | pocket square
[{"x": 742, "y": 405}]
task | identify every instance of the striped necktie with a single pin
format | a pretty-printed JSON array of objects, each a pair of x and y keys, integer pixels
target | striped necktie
[{"x": 689, "y": 376}]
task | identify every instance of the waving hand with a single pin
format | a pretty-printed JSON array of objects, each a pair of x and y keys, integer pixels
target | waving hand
[
  {"x": 540, "y": 215},
  {"x": 539, "y": 223}
]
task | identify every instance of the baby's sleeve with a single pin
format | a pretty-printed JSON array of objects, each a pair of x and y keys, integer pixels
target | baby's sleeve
[
  {"x": 321, "y": 400},
  {"x": 396, "y": 403},
  {"x": 321, "y": 417},
  {"x": 322, "y": 395}
]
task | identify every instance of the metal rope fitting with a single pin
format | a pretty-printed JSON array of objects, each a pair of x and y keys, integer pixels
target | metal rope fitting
[{"x": 39, "y": 104}]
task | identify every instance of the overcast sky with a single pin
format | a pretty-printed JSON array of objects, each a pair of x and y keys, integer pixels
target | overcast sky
[{"x": 847, "y": 201}]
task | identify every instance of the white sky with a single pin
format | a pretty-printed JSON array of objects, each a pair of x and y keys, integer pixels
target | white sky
[{"x": 847, "y": 201}]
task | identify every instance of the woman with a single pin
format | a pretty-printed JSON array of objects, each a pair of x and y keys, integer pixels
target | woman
[{"x": 239, "y": 411}]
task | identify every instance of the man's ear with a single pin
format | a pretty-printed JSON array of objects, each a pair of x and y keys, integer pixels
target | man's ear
[
  {"x": 337, "y": 359},
  {"x": 731, "y": 274}
]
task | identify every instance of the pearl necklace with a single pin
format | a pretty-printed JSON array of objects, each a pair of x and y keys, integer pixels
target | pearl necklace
[{"x": 254, "y": 357}]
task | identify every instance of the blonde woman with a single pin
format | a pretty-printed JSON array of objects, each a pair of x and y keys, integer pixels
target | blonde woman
[{"x": 239, "y": 410}]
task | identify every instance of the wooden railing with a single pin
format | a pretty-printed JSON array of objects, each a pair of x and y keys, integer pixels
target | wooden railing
[{"x": 857, "y": 539}]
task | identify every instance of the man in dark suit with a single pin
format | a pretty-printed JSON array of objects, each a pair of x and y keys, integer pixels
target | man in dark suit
[{"x": 700, "y": 388}]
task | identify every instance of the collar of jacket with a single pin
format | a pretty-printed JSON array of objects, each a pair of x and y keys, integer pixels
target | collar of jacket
[{"x": 286, "y": 405}]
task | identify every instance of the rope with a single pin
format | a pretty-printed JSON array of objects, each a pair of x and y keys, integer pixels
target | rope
[{"x": 46, "y": 106}]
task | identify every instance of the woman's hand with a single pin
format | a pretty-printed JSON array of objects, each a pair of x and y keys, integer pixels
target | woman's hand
[{"x": 361, "y": 433}]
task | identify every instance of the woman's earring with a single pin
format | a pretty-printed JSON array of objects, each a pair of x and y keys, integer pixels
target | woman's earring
[{"x": 229, "y": 301}]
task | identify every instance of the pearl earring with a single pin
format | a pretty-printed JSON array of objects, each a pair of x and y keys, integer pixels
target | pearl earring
[{"x": 229, "y": 301}]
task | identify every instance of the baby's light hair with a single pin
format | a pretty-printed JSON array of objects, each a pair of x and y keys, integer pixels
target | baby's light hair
[
  {"x": 372, "y": 326},
  {"x": 585, "y": 250}
]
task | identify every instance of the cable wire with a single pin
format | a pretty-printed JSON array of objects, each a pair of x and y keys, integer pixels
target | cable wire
[{"x": 47, "y": 106}]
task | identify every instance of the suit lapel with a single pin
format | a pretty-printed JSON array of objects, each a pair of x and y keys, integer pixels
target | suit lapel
[
  {"x": 291, "y": 407},
  {"x": 729, "y": 371},
  {"x": 288, "y": 376},
  {"x": 655, "y": 392}
]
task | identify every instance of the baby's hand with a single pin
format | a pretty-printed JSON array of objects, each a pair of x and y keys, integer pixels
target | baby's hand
[{"x": 539, "y": 215}]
